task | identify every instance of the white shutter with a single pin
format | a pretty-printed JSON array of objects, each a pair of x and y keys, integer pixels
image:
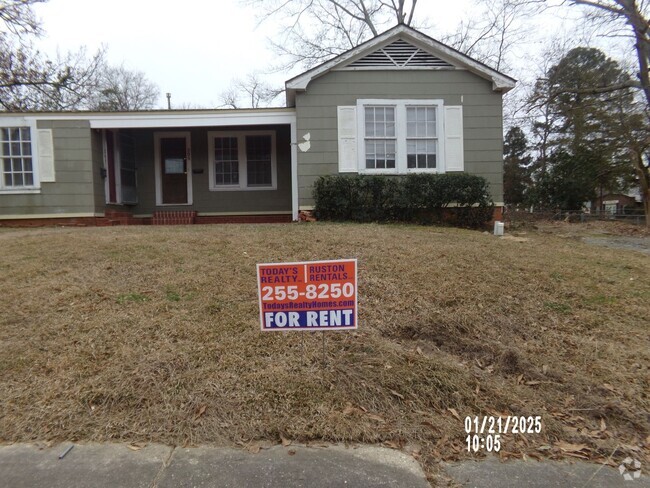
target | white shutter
[
  {"x": 347, "y": 131},
  {"x": 45, "y": 155},
  {"x": 454, "y": 158}
]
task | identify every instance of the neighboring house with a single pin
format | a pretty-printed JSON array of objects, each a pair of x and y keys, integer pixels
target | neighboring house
[
  {"x": 399, "y": 103},
  {"x": 618, "y": 203}
]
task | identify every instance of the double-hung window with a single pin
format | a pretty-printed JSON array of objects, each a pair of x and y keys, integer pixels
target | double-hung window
[
  {"x": 421, "y": 137},
  {"x": 242, "y": 160},
  {"x": 16, "y": 157},
  {"x": 400, "y": 136},
  {"x": 380, "y": 140}
]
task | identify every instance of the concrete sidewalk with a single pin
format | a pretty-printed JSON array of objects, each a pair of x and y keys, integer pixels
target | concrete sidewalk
[
  {"x": 158, "y": 466},
  {"x": 491, "y": 473}
]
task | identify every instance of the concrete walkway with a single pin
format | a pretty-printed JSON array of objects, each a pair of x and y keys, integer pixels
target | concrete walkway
[{"x": 158, "y": 466}]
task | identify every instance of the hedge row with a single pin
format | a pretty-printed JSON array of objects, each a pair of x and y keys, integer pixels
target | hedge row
[{"x": 423, "y": 198}]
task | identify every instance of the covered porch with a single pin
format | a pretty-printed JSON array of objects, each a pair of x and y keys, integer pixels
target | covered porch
[{"x": 168, "y": 167}]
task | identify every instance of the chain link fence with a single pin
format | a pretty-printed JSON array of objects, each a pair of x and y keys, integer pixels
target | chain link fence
[{"x": 523, "y": 216}]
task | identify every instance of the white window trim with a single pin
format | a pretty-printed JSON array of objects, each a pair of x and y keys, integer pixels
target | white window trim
[
  {"x": 243, "y": 161},
  {"x": 400, "y": 135},
  {"x": 13, "y": 123},
  {"x": 188, "y": 148}
]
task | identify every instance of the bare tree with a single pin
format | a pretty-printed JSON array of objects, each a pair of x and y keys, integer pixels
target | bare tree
[
  {"x": 633, "y": 15},
  {"x": 121, "y": 89},
  {"x": 250, "y": 92},
  {"x": 29, "y": 81},
  {"x": 18, "y": 18},
  {"x": 490, "y": 36},
  {"x": 317, "y": 30}
]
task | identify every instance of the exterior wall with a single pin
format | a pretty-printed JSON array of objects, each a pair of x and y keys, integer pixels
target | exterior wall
[
  {"x": 72, "y": 193},
  {"x": 204, "y": 200},
  {"x": 482, "y": 117}
]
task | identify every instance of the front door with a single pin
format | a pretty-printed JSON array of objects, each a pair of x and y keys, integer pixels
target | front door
[{"x": 174, "y": 170}]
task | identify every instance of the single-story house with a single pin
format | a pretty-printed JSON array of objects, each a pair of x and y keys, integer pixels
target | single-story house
[
  {"x": 618, "y": 203},
  {"x": 401, "y": 102}
]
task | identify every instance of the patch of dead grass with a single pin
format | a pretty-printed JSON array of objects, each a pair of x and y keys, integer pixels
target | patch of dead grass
[{"x": 151, "y": 334}]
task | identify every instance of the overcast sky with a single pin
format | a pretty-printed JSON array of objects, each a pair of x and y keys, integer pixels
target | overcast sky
[{"x": 195, "y": 48}]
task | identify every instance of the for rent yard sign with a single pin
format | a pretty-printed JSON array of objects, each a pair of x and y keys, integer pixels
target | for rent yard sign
[{"x": 312, "y": 295}]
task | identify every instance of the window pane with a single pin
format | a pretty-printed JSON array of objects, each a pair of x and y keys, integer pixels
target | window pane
[
  {"x": 421, "y": 153},
  {"x": 370, "y": 114},
  {"x": 410, "y": 160},
  {"x": 380, "y": 121},
  {"x": 17, "y": 165},
  {"x": 226, "y": 161},
  {"x": 8, "y": 179},
  {"x": 5, "y": 149},
  {"x": 370, "y": 154},
  {"x": 14, "y": 134},
  {"x": 18, "y": 179},
  {"x": 27, "y": 149},
  {"x": 27, "y": 164},
  {"x": 4, "y": 134},
  {"x": 421, "y": 122},
  {"x": 6, "y": 166},
  {"x": 25, "y": 134},
  {"x": 29, "y": 179},
  {"x": 431, "y": 122},
  {"x": 259, "y": 169}
]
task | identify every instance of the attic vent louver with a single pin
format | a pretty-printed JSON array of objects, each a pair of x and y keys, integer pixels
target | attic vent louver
[{"x": 399, "y": 54}]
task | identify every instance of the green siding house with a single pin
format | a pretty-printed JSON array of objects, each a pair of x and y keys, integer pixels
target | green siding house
[{"x": 399, "y": 103}]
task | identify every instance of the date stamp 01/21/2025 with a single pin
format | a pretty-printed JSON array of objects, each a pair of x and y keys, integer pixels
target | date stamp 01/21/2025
[{"x": 485, "y": 433}]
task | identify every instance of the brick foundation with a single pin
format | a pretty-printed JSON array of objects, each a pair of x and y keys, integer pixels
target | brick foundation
[
  {"x": 53, "y": 222},
  {"x": 115, "y": 218},
  {"x": 242, "y": 219}
]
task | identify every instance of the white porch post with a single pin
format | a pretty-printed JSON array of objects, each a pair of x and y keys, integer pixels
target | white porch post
[{"x": 294, "y": 170}]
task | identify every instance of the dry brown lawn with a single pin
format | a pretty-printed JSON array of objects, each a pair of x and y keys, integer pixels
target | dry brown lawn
[{"x": 150, "y": 334}]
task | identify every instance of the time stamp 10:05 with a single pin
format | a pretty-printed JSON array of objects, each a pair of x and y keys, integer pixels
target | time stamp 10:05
[{"x": 484, "y": 433}]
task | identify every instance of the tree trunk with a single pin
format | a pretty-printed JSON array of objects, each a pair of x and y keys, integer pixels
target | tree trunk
[{"x": 644, "y": 183}]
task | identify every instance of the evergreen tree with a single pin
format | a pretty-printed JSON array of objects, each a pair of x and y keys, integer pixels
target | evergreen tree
[{"x": 516, "y": 162}]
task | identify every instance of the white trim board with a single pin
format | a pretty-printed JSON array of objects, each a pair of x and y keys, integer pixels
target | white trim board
[
  {"x": 50, "y": 216},
  {"x": 161, "y": 119}
]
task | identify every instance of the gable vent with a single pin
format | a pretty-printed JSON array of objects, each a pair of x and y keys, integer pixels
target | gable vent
[{"x": 399, "y": 54}]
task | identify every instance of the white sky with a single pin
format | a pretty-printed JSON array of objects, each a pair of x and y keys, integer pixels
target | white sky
[{"x": 195, "y": 48}]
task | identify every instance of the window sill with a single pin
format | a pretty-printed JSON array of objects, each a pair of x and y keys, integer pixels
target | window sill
[
  {"x": 397, "y": 172},
  {"x": 239, "y": 188},
  {"x": 19, "y": 191}
]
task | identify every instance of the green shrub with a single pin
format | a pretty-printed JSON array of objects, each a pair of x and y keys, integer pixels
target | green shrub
[{"x": 458, "y": 198}]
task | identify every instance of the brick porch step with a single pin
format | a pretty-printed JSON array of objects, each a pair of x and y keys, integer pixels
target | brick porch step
[{"x": 174, "y": 217}]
